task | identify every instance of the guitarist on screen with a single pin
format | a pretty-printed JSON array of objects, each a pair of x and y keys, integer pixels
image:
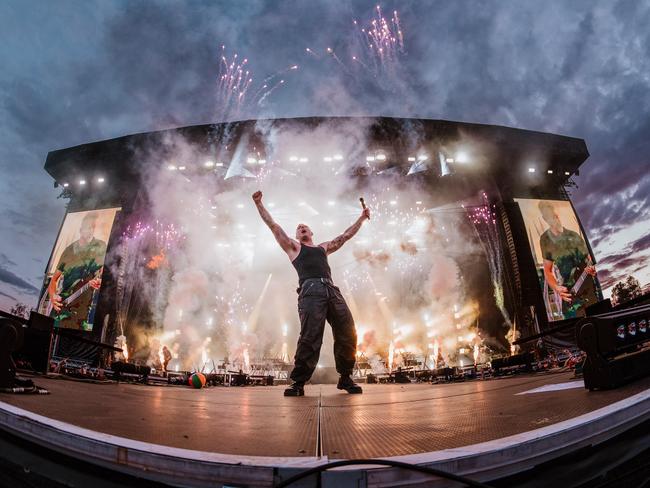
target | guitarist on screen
[
  {"x": 567, "y": 265},
  {"x": 77, "y": 277}
]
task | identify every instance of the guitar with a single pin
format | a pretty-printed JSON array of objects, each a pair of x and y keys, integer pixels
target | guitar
[
  {"x": 581, "y": 297},
  {"x": 71, "y": 303}
]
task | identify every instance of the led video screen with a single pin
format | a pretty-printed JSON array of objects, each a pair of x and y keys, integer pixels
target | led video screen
[
  {"x": 74, "y": 274},
  {"x": 564, "y": 265}
]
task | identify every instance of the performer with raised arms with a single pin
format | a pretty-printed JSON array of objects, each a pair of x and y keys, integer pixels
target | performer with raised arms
[{"x": 318, "y": 300}]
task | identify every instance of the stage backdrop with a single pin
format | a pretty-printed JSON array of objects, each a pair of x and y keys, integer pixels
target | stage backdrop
[
  {"x": 73, "y": 277},
  {"x": 561, "y": 256}
]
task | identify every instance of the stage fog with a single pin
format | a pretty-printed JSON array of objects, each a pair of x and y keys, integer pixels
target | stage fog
[{"x": 200, "y": 273}]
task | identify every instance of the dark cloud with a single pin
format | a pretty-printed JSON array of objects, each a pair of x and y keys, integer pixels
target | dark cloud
[
  {"x": 4, "y": 260},
  {"x": 10, "y": 297},
  {"x": 9, "y": 278}
]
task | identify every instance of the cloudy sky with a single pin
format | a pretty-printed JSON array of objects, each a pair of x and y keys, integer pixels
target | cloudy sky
[{"x": 79, "y": 71}]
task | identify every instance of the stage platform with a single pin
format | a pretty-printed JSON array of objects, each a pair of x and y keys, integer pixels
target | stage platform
[{"x": 255, "y": 436}]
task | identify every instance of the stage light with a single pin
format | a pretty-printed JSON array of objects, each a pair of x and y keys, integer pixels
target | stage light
[
  {"x": 380, "y": 157},
  {"x": 419, "y": 202},
  {"x": 293, "y": 158},
  {"x": 331, "y": 203},
  {"x": 370, "y": 158},
  {"x": 82, "y": 182},
  {"x": 566, "y": 173},
  {"x": 271, "y": 205},
  {"x": 327, "y": 159},
  {"x": 100, "y": 180},
  {"x": 423, "y": 157},
  {"x": 531, "y": 170},
  {"x": 549, "y": 171},
  {"x": 393, "y": 202},
  {"x": 208, "y": 164},
  {"x": 66, "y": 185},
  {"x": 213, "y": 207},
  {"x": 240, "y": 205},
  {"x": 462, "y": 157},
  {"x": 219, "y": 165},
  {"x": 182, "y": 168},
  {"x": 411, "y": 159},
  {"x": 338, "y": 157},
  {"x": 172, "y": 167},
  {"x": 304, "y": 160},
  {"x": 251, "y": 160},
  {"x": 449, "y": 160},
  {"x": 261, "y": 161}
]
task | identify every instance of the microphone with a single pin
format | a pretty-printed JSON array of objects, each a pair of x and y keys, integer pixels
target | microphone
[{"x": 363, "y": 204}]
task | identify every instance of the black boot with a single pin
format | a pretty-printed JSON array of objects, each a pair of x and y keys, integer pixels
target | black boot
[
  {"x": 346, "y": 383},
  {"x": 297, "y": 389}
]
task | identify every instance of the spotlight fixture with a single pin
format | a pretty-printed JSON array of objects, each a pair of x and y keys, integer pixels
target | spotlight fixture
[
  {"x": 66, "y": 185},
  {"x": 380, "y": 157},
  {"x": 531, "y": 170},
  {"x": 219, "y": 165},
  {"x": 338, "y": 157},
  {"x": 182, "y": 168},
  {"x": 327, "y": 159},
  {"x": 304, "y": 160},
  {"x": 261, "y": 161},
  {"x": 293, "y": 158},
  {"x": 100, "y": 179},
  {"x": 566, "y": 173},
  {"x": 82, "y": 182},
  {"x": 411, "y": 159},
  {"x": 549, "y": 171},
  {"x": 423, "y": 157},
  {"x": 449, "y": 160},
  {"x": 251, "y": 160},
  {"x": 370, "y": 158},
  {"x": 208, "y": 164},
  {"x": 172, "y": 167}
]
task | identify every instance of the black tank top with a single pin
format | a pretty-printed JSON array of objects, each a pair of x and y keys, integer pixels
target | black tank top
[{"x": 311, "y": 262}]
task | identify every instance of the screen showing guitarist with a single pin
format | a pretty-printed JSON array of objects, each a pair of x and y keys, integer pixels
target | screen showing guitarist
[
  {"x": 568, "y": 269},
  {"x": 71, "y": 291}
]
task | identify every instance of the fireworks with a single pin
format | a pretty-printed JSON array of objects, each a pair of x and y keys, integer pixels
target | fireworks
[
  {"x": 379, "y": 44},
  {"x": 236, "y": 82},
  {"x": 485, "y": 223},
  {"x": 376, "y": 49}
]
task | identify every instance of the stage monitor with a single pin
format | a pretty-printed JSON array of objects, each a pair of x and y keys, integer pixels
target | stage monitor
[
  {"x": 564, "y": 264},
  {"x": 73, "y": 278}
]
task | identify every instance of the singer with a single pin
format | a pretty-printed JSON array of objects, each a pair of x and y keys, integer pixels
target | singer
[{"x": 318, "y": 300}]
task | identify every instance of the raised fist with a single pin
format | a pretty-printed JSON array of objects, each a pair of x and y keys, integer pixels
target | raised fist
[{"x": 257, "y": 196}]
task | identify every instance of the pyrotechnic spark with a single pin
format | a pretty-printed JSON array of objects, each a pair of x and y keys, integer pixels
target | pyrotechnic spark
[
  {"x": 380, "y": 44},
  {"x": 236, "y": 81},
  {"x": 485, "y": 223}
]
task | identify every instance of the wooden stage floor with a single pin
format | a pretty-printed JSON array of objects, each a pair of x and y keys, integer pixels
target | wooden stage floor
[{"x": 387, "y": 420}]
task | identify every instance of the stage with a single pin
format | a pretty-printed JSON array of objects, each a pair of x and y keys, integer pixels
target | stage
[{"x": 482, "y": 429}]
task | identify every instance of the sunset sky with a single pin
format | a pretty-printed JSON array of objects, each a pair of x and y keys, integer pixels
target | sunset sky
[{"x": 75, "y": 72}]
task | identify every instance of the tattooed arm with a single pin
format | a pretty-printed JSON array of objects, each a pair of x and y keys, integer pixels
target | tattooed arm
[{"x": 336, "y": 243}]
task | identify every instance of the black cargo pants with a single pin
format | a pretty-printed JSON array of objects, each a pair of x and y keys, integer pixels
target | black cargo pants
[{"x": 320, "y": 300}]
